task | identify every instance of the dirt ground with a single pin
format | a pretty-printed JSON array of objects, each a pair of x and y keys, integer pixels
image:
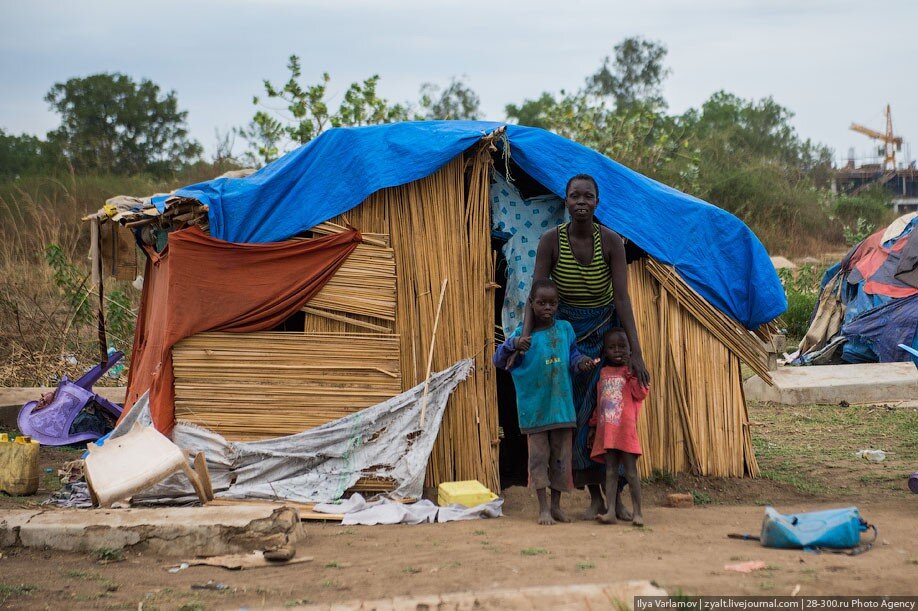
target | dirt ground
[{"x": 682, "y": 550}]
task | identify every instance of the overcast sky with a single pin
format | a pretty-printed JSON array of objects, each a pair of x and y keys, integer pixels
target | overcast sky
[{"x": 830, "y": 62}]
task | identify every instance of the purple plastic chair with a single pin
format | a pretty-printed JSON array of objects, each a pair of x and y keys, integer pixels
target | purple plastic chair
[{"x": 49, "y": 421}]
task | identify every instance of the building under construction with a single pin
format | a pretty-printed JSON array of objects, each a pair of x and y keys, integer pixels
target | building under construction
[{"x": 901, "y": 182}]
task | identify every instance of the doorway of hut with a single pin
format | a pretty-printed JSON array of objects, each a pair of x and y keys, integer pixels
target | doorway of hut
[
  {"x": 514, "y": 453},
  {"x": 513, "y": 465}
]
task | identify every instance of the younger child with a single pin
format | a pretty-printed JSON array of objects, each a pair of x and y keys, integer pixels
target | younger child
[
  {"x": 545, "y": 406},
  {"x": 618, "y": 404}
]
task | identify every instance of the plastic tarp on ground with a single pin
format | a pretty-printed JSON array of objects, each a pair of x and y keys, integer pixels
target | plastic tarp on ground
[
  {"x": 383, "y": 441},
  {"x": 711, "y": 249}
]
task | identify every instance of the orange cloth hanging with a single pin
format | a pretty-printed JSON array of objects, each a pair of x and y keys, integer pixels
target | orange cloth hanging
[{"x": 200, "y": 283}]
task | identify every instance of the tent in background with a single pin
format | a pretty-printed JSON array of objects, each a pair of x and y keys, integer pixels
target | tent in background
[{"x": 868, "y": 302}]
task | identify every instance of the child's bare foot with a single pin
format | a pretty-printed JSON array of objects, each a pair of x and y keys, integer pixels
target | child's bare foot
[
  {"x": 621, "y": 512},
  {"x": 545, "y": 518},
  {"x": 638, "y": 520},
  {"x": 607, "y": 518},
  {"x": 596, "y": 507},
  {"x": 560, "y": 516}
]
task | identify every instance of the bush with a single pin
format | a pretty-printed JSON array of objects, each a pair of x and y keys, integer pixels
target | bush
[
  {"x": 802, "y": 289},
  {"x": 872, "y": 205},
  {"x": 861, "y": 215}
]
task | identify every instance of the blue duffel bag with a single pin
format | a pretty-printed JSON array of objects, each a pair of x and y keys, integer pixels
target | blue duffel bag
[{"x": 833, "y": 530}]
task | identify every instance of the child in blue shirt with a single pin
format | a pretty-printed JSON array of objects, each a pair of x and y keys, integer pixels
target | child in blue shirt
[{"x": 544, "y": 397}]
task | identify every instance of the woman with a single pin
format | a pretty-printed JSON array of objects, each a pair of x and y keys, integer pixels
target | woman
[{"x": 587, "y": 263}]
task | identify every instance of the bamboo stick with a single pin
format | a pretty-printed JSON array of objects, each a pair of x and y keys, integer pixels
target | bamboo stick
[{"x": 433, "y": 341}]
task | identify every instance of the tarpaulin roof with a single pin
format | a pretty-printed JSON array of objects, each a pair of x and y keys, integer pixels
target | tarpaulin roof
[{"x": 711, "y": 249}]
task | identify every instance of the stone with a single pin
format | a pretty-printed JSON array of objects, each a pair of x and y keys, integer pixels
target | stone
[{"x": 680, "y": 499}]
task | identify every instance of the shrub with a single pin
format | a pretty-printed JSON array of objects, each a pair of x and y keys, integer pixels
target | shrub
[{"x": 802, "y": 289}]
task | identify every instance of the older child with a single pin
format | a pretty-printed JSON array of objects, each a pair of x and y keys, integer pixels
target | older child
[
  {"x": 545, "y": 407},
  {"x": 619, "y": 397}
]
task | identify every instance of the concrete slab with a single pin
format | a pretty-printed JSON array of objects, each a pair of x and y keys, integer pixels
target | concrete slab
[
  {"x": 832, "y": 384},
  {"x": 618, "y": 595},
  {"x": 166, "y": 531},
  {"x": 13, "y": 398},
  {"x": 11, "y": 522}
]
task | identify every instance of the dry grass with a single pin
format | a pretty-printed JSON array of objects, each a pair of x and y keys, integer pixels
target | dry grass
[{"x": 38, "y": 325}]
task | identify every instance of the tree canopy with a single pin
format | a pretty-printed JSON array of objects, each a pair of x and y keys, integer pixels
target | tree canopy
[
  {"x": 307, "y": 111},
  {"x": 111, "y": 123},
  {"x": 24, "y": 154}
]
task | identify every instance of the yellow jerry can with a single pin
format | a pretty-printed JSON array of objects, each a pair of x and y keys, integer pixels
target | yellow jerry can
[
  {"x": 469, "y": 493},
  {"x": 19, "y": 466}
]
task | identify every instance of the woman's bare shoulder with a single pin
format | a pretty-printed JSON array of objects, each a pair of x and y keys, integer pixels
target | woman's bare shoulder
[
  {"x": 549, "y": 239},
  {"x": 610, "y": 239}
]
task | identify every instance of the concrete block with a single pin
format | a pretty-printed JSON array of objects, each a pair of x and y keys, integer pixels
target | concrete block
[
  {"x": 832, "y": 384},
  {"x": 11, "y": 522},
  {"x": 166, "y": 531}
]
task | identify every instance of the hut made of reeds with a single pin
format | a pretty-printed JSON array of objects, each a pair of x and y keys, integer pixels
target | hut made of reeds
[{"x": 421, "y": 292}]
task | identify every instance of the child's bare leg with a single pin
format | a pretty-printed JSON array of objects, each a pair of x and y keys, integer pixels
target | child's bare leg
[
  {"x": 545, "y": 512},
  {"x": 559, "y": 469},
  {"x": 556, "y": 512},
  {"x": 634, "y": 483},
  {"x": 539, "y": 456},
  {"x": 621, "y": 512},
  {"x": 597, "y": 503},
  {"x": 613, "y": 459}
]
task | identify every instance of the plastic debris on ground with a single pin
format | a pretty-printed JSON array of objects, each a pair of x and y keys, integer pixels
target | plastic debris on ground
[
  {"x": 237, "y": 562},
  {"x": 357, "y": 510},
  {"x": 210, "y": 585},
  {"x": 871, "y": 455},
  {"x": 745, "y": 567}
]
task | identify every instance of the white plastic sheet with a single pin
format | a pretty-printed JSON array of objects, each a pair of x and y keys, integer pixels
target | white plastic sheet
[
  {"x": 383, "y": 441},
  {"x": 357, "y": 510}
]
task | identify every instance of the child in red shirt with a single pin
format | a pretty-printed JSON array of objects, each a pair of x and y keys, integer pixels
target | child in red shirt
[{"x": 619, "y": 397}]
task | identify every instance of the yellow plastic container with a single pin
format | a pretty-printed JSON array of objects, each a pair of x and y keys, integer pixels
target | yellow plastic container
[
  {"x": 19, "y": 466},
  {"x": 469, "y": 493}
]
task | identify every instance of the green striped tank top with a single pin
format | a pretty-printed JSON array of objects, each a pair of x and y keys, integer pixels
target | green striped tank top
[{"x": 583, "y": 286}]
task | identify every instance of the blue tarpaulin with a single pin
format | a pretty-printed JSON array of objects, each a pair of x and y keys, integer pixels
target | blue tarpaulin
[{"x": 711, "y": 249}]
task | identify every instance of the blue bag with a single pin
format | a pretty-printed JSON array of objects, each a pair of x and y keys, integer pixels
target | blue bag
[{"x": 833, "y": 529}]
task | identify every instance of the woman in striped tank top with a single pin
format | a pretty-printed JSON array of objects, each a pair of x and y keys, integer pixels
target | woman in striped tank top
[{"x": 587, "y": 263}]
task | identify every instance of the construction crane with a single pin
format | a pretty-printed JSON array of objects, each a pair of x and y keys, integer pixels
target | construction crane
[{"x": 891, "y": 143}]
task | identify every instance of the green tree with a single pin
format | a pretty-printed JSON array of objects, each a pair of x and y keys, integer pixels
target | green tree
[
  {"x": 618, "y": 112},
  {"x": 24, "y": 154},
  {"x": 456, "y": 101},
  {"x": 535, "y": 113},
  {"x": 111, "y": 123},
  {"x": 633, "y": 76},
  {"x": 270, "y": 134},
  {"x": 750, "y": 161}
]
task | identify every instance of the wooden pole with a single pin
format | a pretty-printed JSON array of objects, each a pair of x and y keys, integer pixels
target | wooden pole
[{"x": 433, "y": 339}]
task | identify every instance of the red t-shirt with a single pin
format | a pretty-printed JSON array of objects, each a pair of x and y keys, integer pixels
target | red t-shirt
[{"x": 619, "y": 397}]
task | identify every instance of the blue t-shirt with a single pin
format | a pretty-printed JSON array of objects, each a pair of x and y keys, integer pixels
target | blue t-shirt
[{"x": 544, "y": 397}]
